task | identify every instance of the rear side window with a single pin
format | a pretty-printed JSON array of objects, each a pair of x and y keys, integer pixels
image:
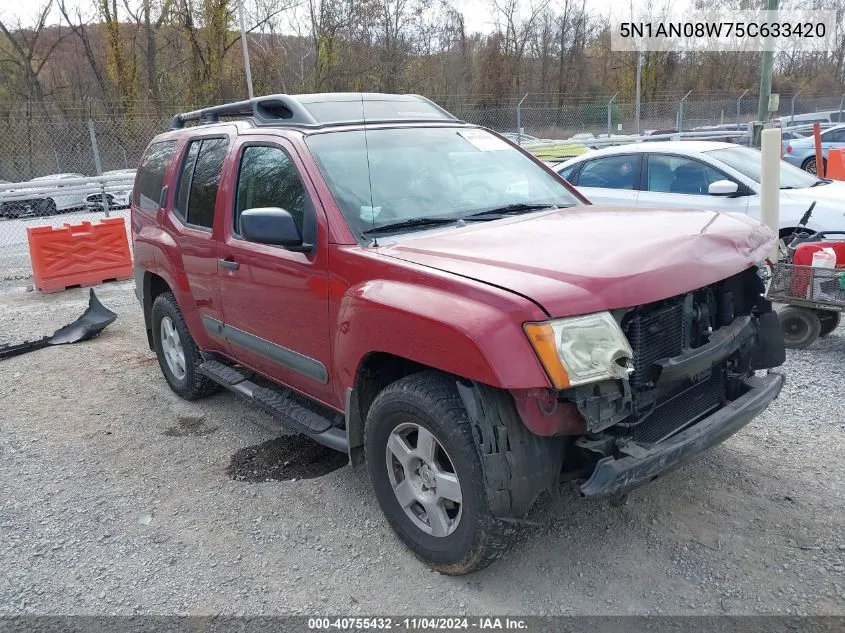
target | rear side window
[
  {"x": 613, "y": 172},
  {"x": 151, "y": 174},
  {"x": 199, "y": 180},
  {"x": 181, "y": 206}
]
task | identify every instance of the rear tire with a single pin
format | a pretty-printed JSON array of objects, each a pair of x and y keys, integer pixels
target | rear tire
[
  {"x": 415, "y": 412},
  {"x": 830, "y": 320},
  {"x": 801, "y": 326},
  {"x": 809, "y": 165},
  {"x": 178, "y": 355},
  {"x": 47, "y": 207}
]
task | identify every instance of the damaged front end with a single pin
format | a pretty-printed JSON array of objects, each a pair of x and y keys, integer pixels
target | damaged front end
[{"x": 693, "y": 384}]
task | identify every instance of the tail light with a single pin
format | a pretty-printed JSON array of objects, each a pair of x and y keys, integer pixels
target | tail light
[{"x": 789, "y": 149}]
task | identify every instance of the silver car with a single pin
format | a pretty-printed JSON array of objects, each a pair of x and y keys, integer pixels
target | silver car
[{"x": 801, "y": 152}]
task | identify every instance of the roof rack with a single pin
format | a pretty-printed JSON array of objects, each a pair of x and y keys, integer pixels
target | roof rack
[{"x": 321, "y": 109}]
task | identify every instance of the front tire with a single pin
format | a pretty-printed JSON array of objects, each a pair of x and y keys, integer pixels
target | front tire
[
  {"x": 426, "y": 473},
  {"x": 178, "y": 355}
]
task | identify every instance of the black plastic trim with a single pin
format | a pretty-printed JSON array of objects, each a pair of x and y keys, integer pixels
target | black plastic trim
[
  {"x": 261, "y": 110},
  {"x": 615, "y": 477},
  {"x": 291, "y": 359},
  {"x": 724, "y": 342}
]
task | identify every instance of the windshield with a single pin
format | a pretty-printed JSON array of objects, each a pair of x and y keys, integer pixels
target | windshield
[
  {"x": 748, "y": 162},
  {"x": 424, "y": 173}
]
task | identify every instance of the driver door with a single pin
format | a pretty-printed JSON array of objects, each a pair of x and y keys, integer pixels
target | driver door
[{"x": 275, "y": 301}]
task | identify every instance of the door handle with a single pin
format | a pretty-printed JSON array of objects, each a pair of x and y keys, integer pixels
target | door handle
[{"x": 228, "y": 264}]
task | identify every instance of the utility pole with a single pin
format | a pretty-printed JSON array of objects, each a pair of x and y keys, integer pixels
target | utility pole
[
  {"x": 766, "y": 74},
  {"x": 246, "y": 49}
]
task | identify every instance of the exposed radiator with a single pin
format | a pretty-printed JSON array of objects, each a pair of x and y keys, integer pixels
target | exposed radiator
[
  {"x": 654, "y": 335},
  {"x": 682, "y": 409}
]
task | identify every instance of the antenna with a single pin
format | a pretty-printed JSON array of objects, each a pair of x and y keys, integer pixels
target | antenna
[{"x": 369, "y": 176}]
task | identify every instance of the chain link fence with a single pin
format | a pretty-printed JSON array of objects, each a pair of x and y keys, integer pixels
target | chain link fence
[
  {"x": 86, "y": 144},
  {"x": 73, "y": 147}
]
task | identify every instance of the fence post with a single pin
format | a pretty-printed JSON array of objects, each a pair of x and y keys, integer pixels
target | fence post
[
  {"x": 637, "y": 96},
  {"x": 739, "y": 107},
  {"x": 610, "y": 114},
  {"x": 841, "y": 103},
  {"x": 519, "y": 120},
  {"x": 681, "y": 112},
  {"x": 29, "y": 136},
  {"x": 792, "y": 107},
  {"x": 94, "y": 148},
  {"x": 104, "y": 198}
]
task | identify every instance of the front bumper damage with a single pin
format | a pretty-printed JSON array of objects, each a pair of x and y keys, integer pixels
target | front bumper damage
[{"x": 613, "y": 478}]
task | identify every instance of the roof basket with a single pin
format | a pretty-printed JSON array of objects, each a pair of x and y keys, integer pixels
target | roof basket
[{"x": 322, "y": 109}]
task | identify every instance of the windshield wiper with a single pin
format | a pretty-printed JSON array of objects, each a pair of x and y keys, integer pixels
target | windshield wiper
[
  {"x": 413, "y": 223},
  {"x": 821, "y": 181},
  {"x": 513, "y": 209}
]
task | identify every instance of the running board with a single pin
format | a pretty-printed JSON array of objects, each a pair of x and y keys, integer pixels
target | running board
[{"x": 282, "y": 403}]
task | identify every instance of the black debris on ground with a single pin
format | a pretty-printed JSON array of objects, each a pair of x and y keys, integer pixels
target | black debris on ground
[{"x": 285, "y": 458}]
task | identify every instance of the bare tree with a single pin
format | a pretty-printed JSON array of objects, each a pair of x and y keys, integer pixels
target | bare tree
[
  {"x": 28, "y": 51},
  {"x": 516, "y": 27},
  {"x": 149, "y": 44}
]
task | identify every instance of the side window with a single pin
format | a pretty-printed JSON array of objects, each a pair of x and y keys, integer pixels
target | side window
[
  {"x": 613, "y": 172},
  {"x": 151, "y": 174},
  {"x": 181, "y": 206},
  {"x": 269, "y": 178},
  {"x": 199, "y": 180},
  {"x": 567, "y": 172},
  {"x": 675, "y": 174},
  {"x": 838, "y": 136}
]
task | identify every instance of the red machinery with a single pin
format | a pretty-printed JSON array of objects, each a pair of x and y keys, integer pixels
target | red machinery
[{"x": 815, "y": 296}]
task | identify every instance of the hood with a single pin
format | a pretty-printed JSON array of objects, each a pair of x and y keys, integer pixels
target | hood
[
  {"x": 829, "y": 212},
  {"x": 586, "y": 259}
]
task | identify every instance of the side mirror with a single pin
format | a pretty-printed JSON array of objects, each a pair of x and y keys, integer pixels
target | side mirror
[
  {"x": 723, "y": 188},
  {"x": 162, "y": 198},
  {"x": 271, "y": 225}
]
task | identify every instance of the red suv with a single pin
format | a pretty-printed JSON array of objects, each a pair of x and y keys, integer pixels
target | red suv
[{"x": 426, "y": 296}]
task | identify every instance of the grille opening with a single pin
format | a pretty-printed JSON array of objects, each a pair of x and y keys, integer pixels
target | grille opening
[{"x": 665, "y": 329}]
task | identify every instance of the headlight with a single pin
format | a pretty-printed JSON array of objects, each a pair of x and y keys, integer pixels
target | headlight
[{"x": 580, "y": 350}]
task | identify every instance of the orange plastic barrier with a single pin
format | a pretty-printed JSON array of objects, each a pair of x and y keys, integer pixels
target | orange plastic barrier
[
  {"x": 836, "y": 164},
  {"x": 83, "y": 254}
]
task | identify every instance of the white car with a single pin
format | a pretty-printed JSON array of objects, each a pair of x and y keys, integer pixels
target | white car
[
  {"x": 66, "y": 202},
  {"x": 118, "y": 198},
  {"x": 702, "y": 174},
  {"x": 43, "y": 201}
]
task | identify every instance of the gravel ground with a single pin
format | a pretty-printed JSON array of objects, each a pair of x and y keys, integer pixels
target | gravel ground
[{"x": 119, "y": 498}]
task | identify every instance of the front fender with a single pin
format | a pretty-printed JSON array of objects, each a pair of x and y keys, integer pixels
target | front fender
[{"x": 440, "y": 329}]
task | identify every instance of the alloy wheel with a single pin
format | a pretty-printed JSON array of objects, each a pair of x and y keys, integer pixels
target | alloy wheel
[
  {"x": 424, "y": 479},
  {"x": 171, "y": 345}
]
